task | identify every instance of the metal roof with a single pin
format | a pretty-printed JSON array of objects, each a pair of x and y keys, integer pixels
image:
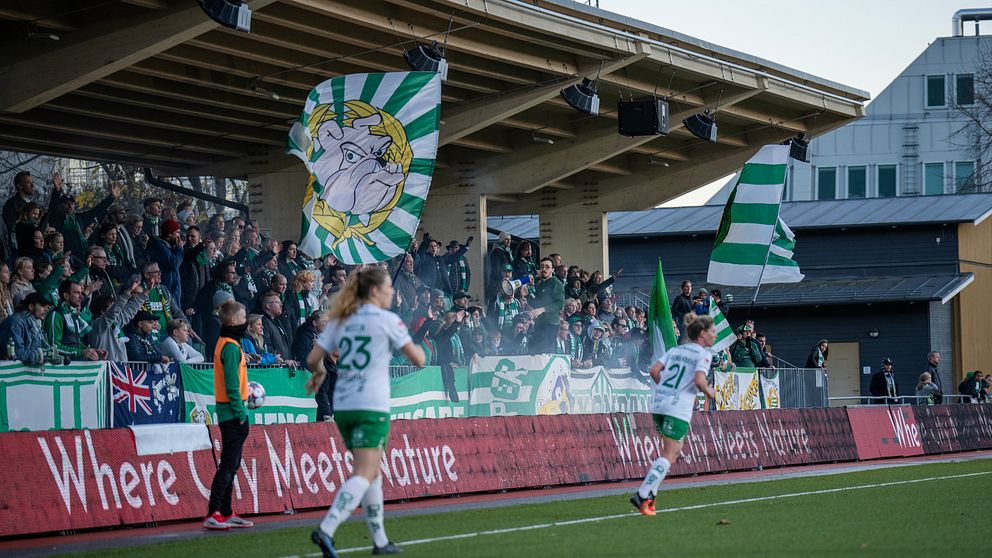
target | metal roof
[
  {"x": 860, "y": 290},
  {"x": 920, "y": 288},
  {"x": 909, "y": 210}
]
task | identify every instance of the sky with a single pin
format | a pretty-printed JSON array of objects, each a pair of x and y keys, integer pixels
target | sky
[{"x": 864, "y": 44}]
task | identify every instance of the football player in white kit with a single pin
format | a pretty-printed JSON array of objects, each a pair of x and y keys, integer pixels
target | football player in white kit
[
  {"x": 678, "y": 375},
  {"x": 361, "y": 335}
]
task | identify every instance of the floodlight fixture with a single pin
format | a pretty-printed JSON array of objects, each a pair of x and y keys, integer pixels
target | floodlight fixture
[
  {"x": 582, "y": 96},
  {"x": 428, "y": 58},
  {"x": 229, "y": 13},
  {"x": 702, "y": 126}
]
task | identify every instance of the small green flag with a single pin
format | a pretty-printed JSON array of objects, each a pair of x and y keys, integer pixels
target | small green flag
[
  {"x": 660, "y": 317},
  {"x": 724, "y": 332}
]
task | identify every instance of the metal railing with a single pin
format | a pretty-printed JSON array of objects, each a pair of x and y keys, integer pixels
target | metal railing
[
  {"x": 801, "y": 388},
  {"x": 902, "y": 399}
]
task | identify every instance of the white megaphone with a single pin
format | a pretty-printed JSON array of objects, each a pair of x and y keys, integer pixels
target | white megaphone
[{"x": 510, "y": 285}]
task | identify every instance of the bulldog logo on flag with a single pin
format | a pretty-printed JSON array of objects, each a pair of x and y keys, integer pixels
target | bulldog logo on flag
[{"x": 369, "y": 142}]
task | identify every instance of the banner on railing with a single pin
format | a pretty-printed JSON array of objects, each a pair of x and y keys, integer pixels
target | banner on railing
[
  {"x": 145, "y": 394},
  {"x": 421, "y": 394},
  {"x": 547, "y": 385},
  {"x": 771, "y": 392},
  {"x": 286, "y": 399},
  {"x": 52, "y": 397},
  {"x": 737, "y": 390}
]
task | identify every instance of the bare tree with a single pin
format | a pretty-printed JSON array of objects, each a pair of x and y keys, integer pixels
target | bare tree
[{"x": 975, "y": 136}]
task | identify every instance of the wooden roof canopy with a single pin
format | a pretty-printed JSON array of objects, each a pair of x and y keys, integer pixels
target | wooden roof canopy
[{"x": 158, "y": 83}]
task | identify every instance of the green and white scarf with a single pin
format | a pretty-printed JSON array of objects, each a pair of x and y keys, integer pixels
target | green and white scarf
[
  {"x": 461, "y": 269},
  {"x": 505, "y": 311},
  {"x": 74, "y": 321}
]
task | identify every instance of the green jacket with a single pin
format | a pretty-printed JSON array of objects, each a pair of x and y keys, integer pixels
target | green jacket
[
  {"x": 230, "y": 361},
  {"x": 745, "y": 355},
  {"x": 550, "y": 295},
  {"x": 66, "y": 329}
]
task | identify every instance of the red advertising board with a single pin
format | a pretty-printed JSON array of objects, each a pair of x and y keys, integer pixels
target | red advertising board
[
  {"x": 884, "y": 431},
  {"x": 950, "y": 428},
  {"x": 74, "y": 479}
]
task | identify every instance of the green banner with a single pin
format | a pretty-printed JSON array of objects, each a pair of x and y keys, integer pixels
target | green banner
[
  {"x": 421, "y": 394},
  {"x": 286, "y": 399},
  {"x": 52, "y": 397}
]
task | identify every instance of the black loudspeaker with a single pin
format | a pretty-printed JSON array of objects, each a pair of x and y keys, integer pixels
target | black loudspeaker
[
  {"x": 582, "y": 97},
  {"x": 701, "y": 126},
  {"x": 643, "y": 117},
  {"x": 428, "y": 59},
  {"x": 798, "y": 147},
  {"x": 229, "y": 13}
]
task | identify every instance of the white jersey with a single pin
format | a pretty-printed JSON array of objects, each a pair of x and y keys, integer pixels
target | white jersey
[
  {"x": 675, "y": 394},
  {"x": 366, "y": 341}
]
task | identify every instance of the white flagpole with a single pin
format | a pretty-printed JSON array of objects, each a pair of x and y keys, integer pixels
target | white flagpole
[{"x": 778, "y": 213}]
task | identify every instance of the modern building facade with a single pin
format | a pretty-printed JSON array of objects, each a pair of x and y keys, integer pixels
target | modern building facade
[{"x": 913, "y": 138}]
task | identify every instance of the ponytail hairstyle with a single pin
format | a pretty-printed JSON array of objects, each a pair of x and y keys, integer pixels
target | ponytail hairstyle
[
  {"x": 694, "y": 325},
  {"x": 357, "y": 289},
  {"x": 924, "y": 378}
]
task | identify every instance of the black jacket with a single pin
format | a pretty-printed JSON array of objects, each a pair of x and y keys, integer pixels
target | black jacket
[
  {"x": 193, "y": 276},
  {"x": 878, "y": 387},
  {"x": 303, "y": 340},
  {"x": 935, "y": 375},
  {"x": 277, "y": 339}
]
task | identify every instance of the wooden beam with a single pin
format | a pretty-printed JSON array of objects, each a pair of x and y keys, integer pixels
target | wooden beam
[
  {"x": 36, "y": 12},
  {"x": 150, "y": 4},
  {"x": 59, "y": 123},
  {"x": 162, "y": 94},
  {"x": 107, "y": 148},
  {"x": 166, "y": 120},
  {"x": 90, "y": 155},
  {"x": 37, "y": 76},
  {"x": 475, "y": 42},
  {"x": 470, "y": 118},
  {"x": 652, "y": 185},
  {"x": 531, "y": 168}
]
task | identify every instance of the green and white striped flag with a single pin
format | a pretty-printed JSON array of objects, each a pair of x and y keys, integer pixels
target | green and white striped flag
[
  {"x": 369, "y": 142},
  {"x": 751, "y": 234},
  {"x": 724, "y": 332},
  {"x": 660, "y": 330}
]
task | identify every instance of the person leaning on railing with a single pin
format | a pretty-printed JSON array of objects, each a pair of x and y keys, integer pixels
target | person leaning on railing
[
  {"x": 926, "y": 388},
  {"x": 253, "y": 343},
  {"x": 175, "y": 344}
]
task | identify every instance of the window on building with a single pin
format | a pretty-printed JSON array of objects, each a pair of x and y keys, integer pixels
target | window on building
[
  {"x": 886, "y": 181},
  {"x": 964, "y": 176},
  {"x": 935, "y": 91},
  {"x": 933, "y": 178},
  {"x": 857, "y": 182},
  {"x": 826, "y": 183},
  {"x": 964, "y": 89}
]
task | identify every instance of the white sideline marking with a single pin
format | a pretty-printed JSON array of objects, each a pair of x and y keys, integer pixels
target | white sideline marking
[{"x": 633, "y": 514}]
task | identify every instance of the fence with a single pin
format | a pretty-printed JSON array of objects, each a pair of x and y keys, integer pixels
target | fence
[
  {"x": 801, "y": 388},
  {"x": 903, "y": 399}
]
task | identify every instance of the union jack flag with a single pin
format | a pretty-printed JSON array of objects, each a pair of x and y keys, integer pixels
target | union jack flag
[{"x": 130, "y": 388}]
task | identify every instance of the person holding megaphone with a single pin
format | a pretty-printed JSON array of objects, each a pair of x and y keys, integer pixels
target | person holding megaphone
[{"x": 549, "y": 299}]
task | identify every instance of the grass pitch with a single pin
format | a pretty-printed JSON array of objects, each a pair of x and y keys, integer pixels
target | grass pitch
[{"x": 921, "y": 510}]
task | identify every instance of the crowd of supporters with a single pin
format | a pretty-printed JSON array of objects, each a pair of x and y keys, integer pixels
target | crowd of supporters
[
  {"x": 123, "y": 282},
  {"x": 127, "y": 283}
]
